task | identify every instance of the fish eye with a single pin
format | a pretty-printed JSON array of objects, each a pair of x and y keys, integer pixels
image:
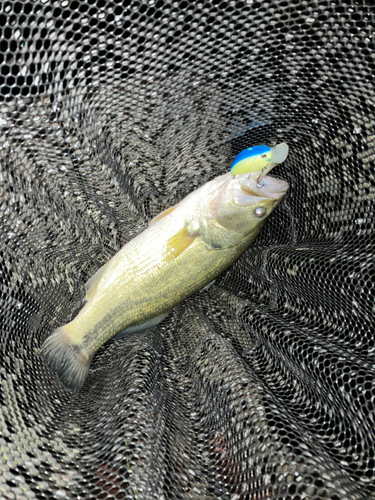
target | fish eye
[
  {"x": 264, "y": 155},
  {"x": 259, "y": 212}
]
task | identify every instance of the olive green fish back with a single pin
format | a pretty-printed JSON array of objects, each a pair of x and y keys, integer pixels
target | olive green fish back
[{"x": 262, "y": 385}]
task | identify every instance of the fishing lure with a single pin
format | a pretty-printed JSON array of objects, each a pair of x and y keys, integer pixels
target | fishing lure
[{"x": 259, "y": 159}]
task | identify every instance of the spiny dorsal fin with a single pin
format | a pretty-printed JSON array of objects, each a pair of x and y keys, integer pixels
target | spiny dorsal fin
[
  {"x": 93, "y": 282},
  {"x": 178, "y": 243},
  {"x": 162, "y": 214}
]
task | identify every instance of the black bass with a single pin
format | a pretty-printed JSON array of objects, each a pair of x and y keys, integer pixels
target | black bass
[{"x": 184, "y": 248}]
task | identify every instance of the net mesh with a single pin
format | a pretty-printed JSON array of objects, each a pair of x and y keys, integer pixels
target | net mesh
[{"x": 261, "y": 386}]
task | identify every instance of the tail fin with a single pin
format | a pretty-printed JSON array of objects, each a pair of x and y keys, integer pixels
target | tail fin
[{"x": 66, "y": 359}]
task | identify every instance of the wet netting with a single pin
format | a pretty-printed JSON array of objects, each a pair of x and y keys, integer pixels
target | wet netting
[{"x": 258, "y": 387}]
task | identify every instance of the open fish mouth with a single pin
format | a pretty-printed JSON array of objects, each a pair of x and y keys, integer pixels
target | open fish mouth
[{"x": 267, "y": 187}]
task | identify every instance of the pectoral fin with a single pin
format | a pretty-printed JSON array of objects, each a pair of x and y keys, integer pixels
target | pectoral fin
[
  {"x": 93, "y": 283},
  {"x": 162, "y": 214},
  {"x": 178, "y": 243}
]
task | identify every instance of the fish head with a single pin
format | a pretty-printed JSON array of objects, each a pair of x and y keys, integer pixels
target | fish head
[{"x": 242, "y": 203}]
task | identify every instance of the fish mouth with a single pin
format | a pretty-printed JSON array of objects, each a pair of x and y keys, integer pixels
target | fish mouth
[{"x": 267, "y": 187}]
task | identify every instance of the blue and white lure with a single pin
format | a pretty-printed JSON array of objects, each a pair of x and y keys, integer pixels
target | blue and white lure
[{"x": 259, "y": 159}]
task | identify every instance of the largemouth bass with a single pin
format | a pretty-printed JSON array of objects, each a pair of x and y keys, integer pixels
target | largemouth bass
[{"x": 183, "y": 249}]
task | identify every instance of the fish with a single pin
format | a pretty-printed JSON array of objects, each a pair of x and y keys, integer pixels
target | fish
[
  {"x": 259, "y": 158},
  {"x": 182, "y": 250}
]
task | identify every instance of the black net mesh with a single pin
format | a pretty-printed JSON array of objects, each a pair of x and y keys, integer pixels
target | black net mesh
[{"x": 261, "y": 386}]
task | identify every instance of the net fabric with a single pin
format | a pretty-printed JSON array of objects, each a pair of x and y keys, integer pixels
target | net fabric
[{"x": 261, "y": 386}]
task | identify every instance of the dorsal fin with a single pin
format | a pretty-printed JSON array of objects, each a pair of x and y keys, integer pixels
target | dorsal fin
[
  {"x": 162, "y": 214},
  {"x": 93, "y": 282}
]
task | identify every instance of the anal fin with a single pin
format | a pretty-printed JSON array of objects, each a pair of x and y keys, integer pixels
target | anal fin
[
  {"x": 209, "y": 285},
  {"x": 143, "y": 326}
]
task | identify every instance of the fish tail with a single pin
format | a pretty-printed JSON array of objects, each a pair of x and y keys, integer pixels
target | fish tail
[{"x": 66, "y": 359}]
